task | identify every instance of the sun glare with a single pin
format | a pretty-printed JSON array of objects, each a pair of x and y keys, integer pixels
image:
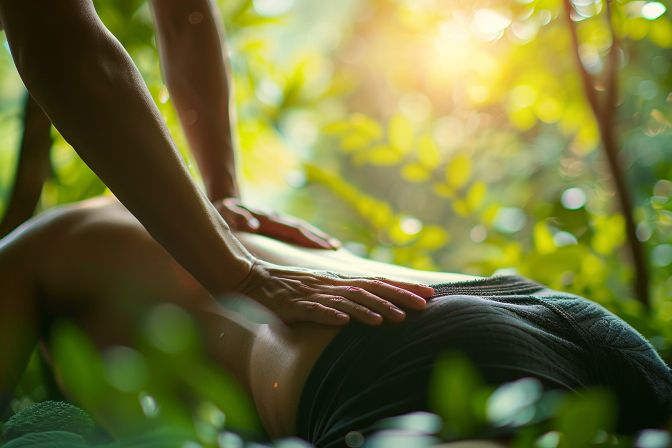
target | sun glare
[{"x": 461, "y": 54}]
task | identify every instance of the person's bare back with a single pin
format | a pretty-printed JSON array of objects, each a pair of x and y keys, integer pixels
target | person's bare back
[{"x": 97, "y": 254}]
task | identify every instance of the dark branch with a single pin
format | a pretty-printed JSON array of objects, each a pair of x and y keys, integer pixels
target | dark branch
[
  {"x": 586, "y": 78},
  {"x": 605, "y": 116}
]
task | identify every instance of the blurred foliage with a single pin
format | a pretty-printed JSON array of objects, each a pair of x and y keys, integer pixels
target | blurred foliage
[{"x": 448, "y": 135}]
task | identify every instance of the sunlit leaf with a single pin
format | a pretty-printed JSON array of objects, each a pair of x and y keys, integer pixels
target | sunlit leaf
[
  {"x": 354, "y": 141},
  {"x": 609, "y": 233},
  {"x": 476, "y": 195},
  {"x": 337, "y": 127},
  {"x": 458, "y": 171},
  {"x": 428, "y": 152},
  {"x": 415, "y": 172},
  {"x": 400, "y": 133},
  {"x": 444, "y": 190},
  {"x": 383, "y": 155},
  {"x": 543, "y": 238},
  {"x": 461, "y": 207},
  {"x": 366, "y": 126},
  {"x": 588, "y": 136},
  {"x": 432, "y": 238},
  {"x": 523, "y": 119},
  {"x": 489, "y": 215},
  {"x": 399, "y": 235},
  {"x": 660, "y": 33}
]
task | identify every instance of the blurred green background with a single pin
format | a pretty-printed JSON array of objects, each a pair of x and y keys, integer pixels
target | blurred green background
[{"x": 438, "y": 134}]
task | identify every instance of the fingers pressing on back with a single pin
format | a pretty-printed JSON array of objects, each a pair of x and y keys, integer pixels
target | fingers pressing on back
[{"x": 307, "y": 311}]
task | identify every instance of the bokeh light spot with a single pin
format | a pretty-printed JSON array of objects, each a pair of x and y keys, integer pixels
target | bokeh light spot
[
  {"x": 573, "y": 198},
  {"x": 653, "y": 438},
  {"x": 125, "y": 369},
  {"x": 653, "y": 10},
  {"x": 170, "y": 329},
  {"x": 478, "y": 234},
  {"x": 489, "y": 25},
  {"x": 510, "y": 220},
  {"x": 662, "y": 255},
  {"x": 411, "y": 226},
  {"x": 513, "y": 403},
  {"x": 271, "y": 8},
  {"x": 563, "y": 238},
  {"x": 149, "y": 406}
]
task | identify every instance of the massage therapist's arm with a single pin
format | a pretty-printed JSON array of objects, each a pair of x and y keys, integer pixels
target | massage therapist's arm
[
  {"x": 195, "y": 71},
  {"x": 88, "y": 86},
  {"x": 195, "y": 68},
  {"x": 90, "y": 89}
]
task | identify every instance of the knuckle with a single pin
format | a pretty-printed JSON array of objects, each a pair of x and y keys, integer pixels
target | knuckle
[
  {"x": 338, "y": 300},
  {"x": 311, "y": 306}
]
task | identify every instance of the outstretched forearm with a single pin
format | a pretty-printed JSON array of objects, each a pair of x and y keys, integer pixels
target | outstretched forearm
[
  {"x": 193, "y": 59},
  {"x": 90, "y": 89}
]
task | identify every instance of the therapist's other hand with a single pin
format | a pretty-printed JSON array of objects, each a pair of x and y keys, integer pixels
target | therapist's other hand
[
  {"x": 284, "y": 228},
  {"x": 304, "y": 295}
]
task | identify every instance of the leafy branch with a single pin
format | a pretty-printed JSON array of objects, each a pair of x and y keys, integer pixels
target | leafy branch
[{"x": 603, "y": 110}]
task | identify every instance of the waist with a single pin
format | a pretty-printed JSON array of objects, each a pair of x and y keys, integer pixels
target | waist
[{"x": 509, "y": 327}]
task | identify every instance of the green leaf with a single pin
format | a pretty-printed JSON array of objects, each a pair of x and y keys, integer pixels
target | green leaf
[
  {"x": 461, "y": 207},
  {"x": 543, "y": 238},
  {"x": 398, "y": 235},
  {"x": 354, "y": 141},
  {"x": 428, "y": 152},
  {"x": 443, "y": 190},
  {"x": 366, "y": 126},
  {"x": 581, "y": 417},
  {"x": 608, "y": 233},
  {"x": 414, "y": 172},
  {"x": 660, "y": 33},
  {"x": 458, "y": 171},
  {"x": 383, "y": 155},
  {"x": 336, "y": 127},
  {"x": 79, "y": 366},
  {"x": 400, "y": 133},
  {"x": 454, "y": 385},
  {"x": 476, "y": 195},
  {"x": 432, "y": 238}
]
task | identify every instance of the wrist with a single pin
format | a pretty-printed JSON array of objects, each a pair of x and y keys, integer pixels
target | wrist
[{"x": 218, "y": 190}]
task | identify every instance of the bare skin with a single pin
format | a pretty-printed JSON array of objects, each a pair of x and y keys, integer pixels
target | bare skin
[
  {"x": 82, "y": 78},
  {"x": 97, "y": 254}
]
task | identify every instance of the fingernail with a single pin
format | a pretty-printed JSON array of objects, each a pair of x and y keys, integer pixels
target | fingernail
[
  {"x": 342, "y": 316},
  {"x": 254, "y": 223},
  {"x": 398, "y": 313},
  {"x": 420, "y": 301},
  {"x": 374, "y": 315},
  {"x": 334, "y": 243}
]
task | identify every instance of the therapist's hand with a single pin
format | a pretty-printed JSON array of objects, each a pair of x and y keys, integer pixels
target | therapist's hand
[
  {"x": 284, "y": 228},
  {"x": 303, "y": 295}
]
